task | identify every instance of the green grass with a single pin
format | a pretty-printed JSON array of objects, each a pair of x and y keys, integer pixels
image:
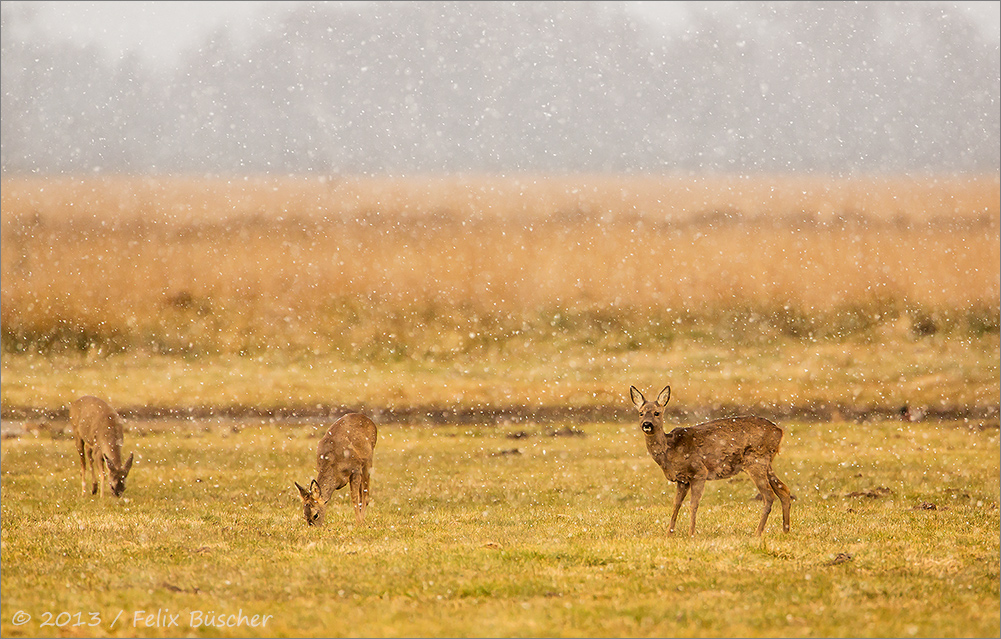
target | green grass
[
  {"x": 935, "y": 372},
  {"x": 566, "y": 537}
]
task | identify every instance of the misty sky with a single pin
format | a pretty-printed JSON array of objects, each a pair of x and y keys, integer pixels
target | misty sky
[
  {"x": 164, "y": 29},
  {"x": 404, "y": 87}
]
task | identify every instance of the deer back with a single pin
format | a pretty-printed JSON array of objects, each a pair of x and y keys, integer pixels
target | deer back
[
  {"x": 346, "y": 447},
  {"x": 723, "y": 446},
  {"x": 99, "y": 426}
]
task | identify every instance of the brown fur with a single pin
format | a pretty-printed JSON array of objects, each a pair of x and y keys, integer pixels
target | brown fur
[
  {"x": 98, "y": 428},
  {"x": 343, "y": 456},
  {"x": 693, "y": 455}
]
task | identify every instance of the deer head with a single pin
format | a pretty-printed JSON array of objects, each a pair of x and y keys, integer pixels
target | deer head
[
  {"x": 651, "y": 413},
  {"x": 116, "y": 475},
  {"x": 313, "y": 506}
]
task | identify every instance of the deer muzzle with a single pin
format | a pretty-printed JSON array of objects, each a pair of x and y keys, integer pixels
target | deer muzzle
[{"x": 647, "y": 427}]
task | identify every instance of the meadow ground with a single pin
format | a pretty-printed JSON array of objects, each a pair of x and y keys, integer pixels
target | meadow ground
[
  {"x": 516, "y": 530},
  {"x": 492, "y": 326},
  {"x": 945, "y": 377}
]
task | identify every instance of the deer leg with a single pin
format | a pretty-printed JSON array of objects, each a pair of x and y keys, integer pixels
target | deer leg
[
  {"x": 81, "y": 447},
  {"x": 104, "y": 474},
  {"x": 679, "y": 498},
  {"x": 365, "y": 476},
  {"x": 760, "y": 478},
  {"x": 783, "y": 492},
  {"x": 356, "y": 496},
  {"x": 698, "y": 484},
  {"x": 93, "y": 471}
]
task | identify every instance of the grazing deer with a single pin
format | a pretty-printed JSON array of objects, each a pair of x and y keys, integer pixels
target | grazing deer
[
  {"x": 343, "y": 456},
  {"x": 719, "y": 449},
  {"x": 98, "y": 429}
]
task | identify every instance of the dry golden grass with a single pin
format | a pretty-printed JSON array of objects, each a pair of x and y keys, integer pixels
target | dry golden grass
[
  {"x": 186, "y": 200},
  {"x": 389, "y": 267}
]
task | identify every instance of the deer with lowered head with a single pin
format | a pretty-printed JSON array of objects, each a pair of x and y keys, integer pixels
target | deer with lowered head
[
  {"x": 99, "y": 430},
  {"x": 343, "y": 456},
  {"x": 693, "y": 455}
]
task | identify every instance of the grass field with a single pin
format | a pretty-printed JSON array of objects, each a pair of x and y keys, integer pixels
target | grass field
[
  {"x": 505, "y": 531},
  {"x": 482, "y": 322},
  {"x": 945, "y": 377}
]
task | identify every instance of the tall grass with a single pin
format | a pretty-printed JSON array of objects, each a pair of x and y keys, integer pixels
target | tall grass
[{"x": 420, "y": 268}]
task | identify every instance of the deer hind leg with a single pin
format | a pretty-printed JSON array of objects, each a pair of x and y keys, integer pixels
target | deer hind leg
[
  {"x": 356, "y": 496},
  {"x": 759, "y": 476},
  {"x": 698, "y": 484},
  {"x": 82, "y": 449},
  {"x": 783, "y": 492},
  {"x": 679, "y": 498},
  {"x": 366, "y": 473}
]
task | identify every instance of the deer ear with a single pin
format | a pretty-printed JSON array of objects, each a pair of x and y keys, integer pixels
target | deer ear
[
  {"x": 314, "y": 489},
  {"x": 664, "y": 396},
  {"x": 636, "y": 396},
  {"x": 109, "y": 463},
  {"x": 303, "y": 493},
  {"x": 128, "y": 464}
]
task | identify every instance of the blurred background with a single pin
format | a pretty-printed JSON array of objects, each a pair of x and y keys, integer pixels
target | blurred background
[
  {"x": 475, "y": 204},
  {"x": 403, "y": 88}
]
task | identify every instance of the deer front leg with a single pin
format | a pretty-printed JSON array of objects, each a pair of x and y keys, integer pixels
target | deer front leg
[
  {"x": 698, "y": 484},
  {"x": 93, "y": 471},
  {"x": 679, "y": 498},
  {"x": 104, "y": 474}
]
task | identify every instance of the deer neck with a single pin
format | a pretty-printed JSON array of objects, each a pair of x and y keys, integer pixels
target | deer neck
[
  {"x": 111, "y": 449},
  {"x": 658, "y": 446},
  {"x": 327, "y": 479}
]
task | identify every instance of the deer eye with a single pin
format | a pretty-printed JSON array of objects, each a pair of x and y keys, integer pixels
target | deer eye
[{"x": 656, "y": 413}]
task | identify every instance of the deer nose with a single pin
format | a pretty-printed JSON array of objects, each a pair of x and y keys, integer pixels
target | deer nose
[{"x": 647, "y": 427}]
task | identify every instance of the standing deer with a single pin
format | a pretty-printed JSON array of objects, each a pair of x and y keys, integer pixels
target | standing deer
[
  {"x": 98, "y": 429},
  {"x": 344, "y": 455},
  {"x": 719, "y": 449}
]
